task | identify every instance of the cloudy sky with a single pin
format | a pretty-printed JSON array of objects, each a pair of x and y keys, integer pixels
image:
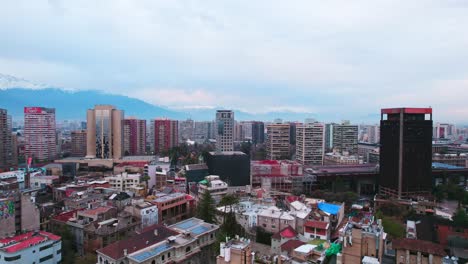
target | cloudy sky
[{"x": 349, "y": 57}]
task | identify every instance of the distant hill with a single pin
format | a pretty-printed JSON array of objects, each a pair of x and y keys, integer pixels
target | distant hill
[
  {"x": 72, "y": 105},
  {"x": 16, "y": 93}
]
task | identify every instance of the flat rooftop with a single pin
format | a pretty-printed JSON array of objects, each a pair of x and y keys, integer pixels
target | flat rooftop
[{"x": 23, "y": 241}]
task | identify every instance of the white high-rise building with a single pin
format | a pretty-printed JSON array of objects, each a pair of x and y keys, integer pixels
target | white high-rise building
[
  {"x": 224, "y": 130},
  {"x": 310, "y": 143}
]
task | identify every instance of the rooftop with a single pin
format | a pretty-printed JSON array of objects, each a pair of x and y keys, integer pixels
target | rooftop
[
  {"x": 23, "y": 241},
  {"x": 168, "y": 197},
  {"x": 291, "y": 244},
  {"x": 141, "y": 241},
  {"x": 287, "y": 232},
  {"x": 228, "y": 153},
  {"x": 96, "y": 211},
  {"x": 406, "y": 110},
  {"x": 419, "y": 246},
  {"x": 306, "y": 248}
]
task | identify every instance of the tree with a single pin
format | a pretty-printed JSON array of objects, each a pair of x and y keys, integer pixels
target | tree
[
  {"x": 206, "y": 209},
  {"x": 228, "y": 200},
  {"x": 68, "y": 250},
  {"x": 460, "y": 218}
]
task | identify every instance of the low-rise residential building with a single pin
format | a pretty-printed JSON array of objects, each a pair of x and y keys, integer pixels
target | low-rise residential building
[
  {"x": 277, "y": 239},
  {"x": 308, "y": 253},
  {"x": 19, "y": 212},
  {"x": 183, "y": 242},
  {"x": 216, "y": 187},
  {"x": 146, "y": 212},
  {"x": 43, "y": 181},
  {"x": 417, "y": 251},
  {"x": 273, "y": 219},
  {"x": 235, "y": 251},
  {"x": 368, "y": 240},
  {"x": 317, "y": 229},
  {"x": 124, "y": 181},
  {"x": 32, "y": 247},
  {"x": 172, "y": 207}
]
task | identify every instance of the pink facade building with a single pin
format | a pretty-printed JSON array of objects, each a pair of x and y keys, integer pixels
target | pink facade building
[
  {"x": 134, "y": 136},
  {"x": 39, "y": 133}
]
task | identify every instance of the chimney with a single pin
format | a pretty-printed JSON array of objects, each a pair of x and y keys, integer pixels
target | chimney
[
  {"x": 125, "y": 252},
  {"x": 156, "y": 232}
]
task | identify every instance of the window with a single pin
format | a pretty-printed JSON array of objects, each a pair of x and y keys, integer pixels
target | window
[
  {"x": 153, "y": 262},
  {"x": 46, "y": 258},
  {"x": 7, "y": 259},
  {"x": 162, "y": 257},
  {"x": 45, "y": 247},
  {"x": 187, "y": 249},
  {"x": 59, "y": 251},
  {"x": 169, "y": 255}
]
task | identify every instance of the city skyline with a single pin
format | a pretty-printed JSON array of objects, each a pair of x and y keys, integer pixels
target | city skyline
[{"x": 310, "y": 57}]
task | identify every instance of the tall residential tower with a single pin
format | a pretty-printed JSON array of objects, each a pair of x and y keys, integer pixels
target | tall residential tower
[
  {"x": 310, "y": 143},
  {"x": 224, "y": 130},
  {"x": 39, "y": 133}
]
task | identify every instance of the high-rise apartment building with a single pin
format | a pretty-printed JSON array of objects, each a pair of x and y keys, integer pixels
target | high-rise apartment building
[
  {"x": 104, "y": 132},
  {"x": 292, "y": 132},
  {"x": 224, "y": 130},
  {"x": 239, "y": 131},
  {"x": 345, "y": 138},
  {"x": 39, "y": 133},
  {"x": 258, "y": 132},
  {"x": 329, "y": 137},
  {"x": 165, "y": 134},
  {"x": 253, "y": 131},
  {"x": 405, "y": 152},
  {"x": 310, "y": 143},
  {"x": 7, "y": 158},
  {"x": 203, "y": 131},
  {"x": 78, "y": 143},
  {"x": 277, "y": 144},
  {"x": 186, "y": 130},
  {"x": 134, "y": 136},
  {"x": 373, "y": 134}
]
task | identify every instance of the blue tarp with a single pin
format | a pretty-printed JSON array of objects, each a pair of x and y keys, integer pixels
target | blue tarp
[{"x": 329, "y": 208}]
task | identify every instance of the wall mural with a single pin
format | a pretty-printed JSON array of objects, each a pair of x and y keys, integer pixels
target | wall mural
[{"x": 7, "y": 209}]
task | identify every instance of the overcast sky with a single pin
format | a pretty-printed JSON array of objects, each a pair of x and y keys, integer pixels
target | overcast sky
[{"x": 353, "y": 57}]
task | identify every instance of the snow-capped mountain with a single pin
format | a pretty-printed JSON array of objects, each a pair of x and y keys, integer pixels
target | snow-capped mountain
[{"x": 8, "y": 81}]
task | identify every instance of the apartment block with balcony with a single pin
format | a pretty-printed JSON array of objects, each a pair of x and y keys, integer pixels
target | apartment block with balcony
[{"x": 216, "y": 187}]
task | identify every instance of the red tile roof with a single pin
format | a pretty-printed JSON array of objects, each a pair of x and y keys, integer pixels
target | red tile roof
[
  {"x": 96, "y": 211},
  {"x": 292, "y": 198},
  {"x": 287, "y": 232},
  {"x": 291, "y": 244},
  {"x": 316, "y": 224},
  {"x": 23, "y": 241},
  {"x": 64, "y": 217},
  {"x": 132, "y": 244},
  {"x": 419, "y": 245}
]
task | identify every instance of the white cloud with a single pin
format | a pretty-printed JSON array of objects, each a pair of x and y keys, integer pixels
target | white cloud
[{"x": 302, "y": 56}]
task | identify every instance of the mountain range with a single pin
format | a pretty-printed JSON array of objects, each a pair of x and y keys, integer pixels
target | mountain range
[{"x": 16, "y": 93}]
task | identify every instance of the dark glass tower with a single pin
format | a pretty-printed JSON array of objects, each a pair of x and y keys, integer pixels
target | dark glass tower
[{"x": 405, "y": 152}]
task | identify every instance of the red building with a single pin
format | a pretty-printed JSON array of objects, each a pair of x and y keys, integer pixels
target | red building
[
  {"x": 447, "y": 232},
  {"x": 134, "y": 136},
  {"x": 39, "y": 133},
  {"x": 164, "y": 134}
]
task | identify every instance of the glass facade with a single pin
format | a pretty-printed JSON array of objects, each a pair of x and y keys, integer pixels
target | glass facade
[{"x": 103, "y": 133}]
